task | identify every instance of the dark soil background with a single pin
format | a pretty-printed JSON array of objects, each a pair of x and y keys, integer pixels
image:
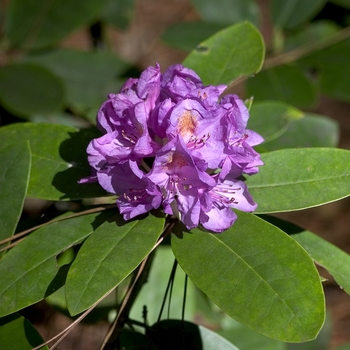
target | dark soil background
[{"x": 140, "y": 44}]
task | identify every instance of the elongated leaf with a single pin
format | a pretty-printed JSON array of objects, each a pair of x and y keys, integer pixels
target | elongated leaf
[
  {"x": 226, "y": 12},
  {"x": 29, "y": 272},
  {"x": 87, "y": 76},
  {"x": 258, "y": 275},
  {"x": 28, "y": 88},
  {"x": 18, "y": 333},
  {"x": 59, "y": 159},
  {"x": 291, "y": 13},
  {"x": 108, "y": 257},
  {"x": 286, "y": 83},
  {"x": 45, "y": 22},
  {"x": 229, "y": 54},
  {"x": 180, "y": 334},
  {"x": 294, "y": 179},
  {"x": 15, "y": 162},
  {"x": 311, "y": 131},
  {"x": 271, "y": 118},
  {"x": 333, "y": 259}
]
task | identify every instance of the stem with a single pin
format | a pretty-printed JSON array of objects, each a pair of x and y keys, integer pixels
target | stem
[{"x": 302, "y": 51}]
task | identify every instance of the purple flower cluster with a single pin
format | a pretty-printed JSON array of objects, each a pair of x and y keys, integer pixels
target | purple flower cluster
[{"x": 171, "y": 142}]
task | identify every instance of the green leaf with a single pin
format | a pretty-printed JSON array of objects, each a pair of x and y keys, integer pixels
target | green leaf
[
  {"x": 108, "y": 257},
  {"x": 29, "y": 88},
  {"x": 271, "y": 118},
  {"x": 231, "y": 53},
  {"x": 226, "y": 12},
  {"x": 285, "y": 83},
  {"x": 29, "y": 272},
  {"x": 187, "y": 35},
  {"x": 152, "y": 292},
  {"x": 315, "y": 31},
  {"x": 292, "y": 13},
  {"x": 59, "y": 159},
  {"x": 180, "y": 334},
  {"x": 333, "y": 259},
  {"x": 43, "y": 23},
  {"x": 311, "y": 131},
  {"x": 15, "y": 162},
  {"x": 294, "y": 179},
  {"x": 88, "y": 76},
  {"x": 258, "y": 275},
  {"x": 18, "y": 333},
  {"x": 331, "y": 66},
  {"x": 343, "y": 3},
  {"x": 118, "y": 13}
]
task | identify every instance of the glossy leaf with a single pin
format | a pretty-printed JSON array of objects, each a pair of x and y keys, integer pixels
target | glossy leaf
[
  {"x": 187, "y": 35},
  {"x": 333, "y": 259},
  {"x": 229, "y": 54},
  {"x": 29, "y": 272},
  {"x": 109, "y": 255},
  {"x": 179, "y": 334},
  {"x": 293, "y": 179},
  {"x": 331, "y": 66},
  {"x": 285, "y": 83},
  {"x": 258, "y": 275},
  {"x": 226, "y": 12},
  {"x": 271, "y": 118},
  {"x": 15, "y": 163},
  {"x": 292, "y": 13},
  {"x": 43, "y": 23},
  {"x": 29, "y": 88},
  {"x": 88, "y": 76},
  {"x": 59, "y": 159},
  {"x": 18, "y": 333},
  {"x": 311, "y": 131},
  {"x": 152, "y": 292}
]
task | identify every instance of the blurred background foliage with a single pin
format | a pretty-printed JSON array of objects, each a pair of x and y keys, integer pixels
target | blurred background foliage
[{"x": 59, "y": 60}]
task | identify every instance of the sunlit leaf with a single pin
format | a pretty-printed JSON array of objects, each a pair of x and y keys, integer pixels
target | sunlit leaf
[
  {"x": 226, "y": 12},
  {"x": 285, "y": 83},
  {"x": 29, "y": 272},
  {"x": 29, "y": 88},
  {"x": 45, "y": 22},
  {"x": 271, "y": 118},
  {"x": 311, "y": 131},
  {"x": 15, "y": 163},
  {"x": 256, "y": 274},
  {"x": 229, "y": 54},
  {"x": 293, "y": 179},
  {"x": 18, "y": 333},
  {"x": 291, "y": 13},
  {"x": 59, "y": 159},
  {"x": 107, "y": 257},
  {"x": 333, "y": 259}
]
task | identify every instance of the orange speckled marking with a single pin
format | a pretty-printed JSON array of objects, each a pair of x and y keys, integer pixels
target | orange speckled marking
[{"x": 187, "y": 123}]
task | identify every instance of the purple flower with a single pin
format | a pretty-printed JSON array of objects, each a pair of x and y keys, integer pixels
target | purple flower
[{"x": 170, "y": 142}]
